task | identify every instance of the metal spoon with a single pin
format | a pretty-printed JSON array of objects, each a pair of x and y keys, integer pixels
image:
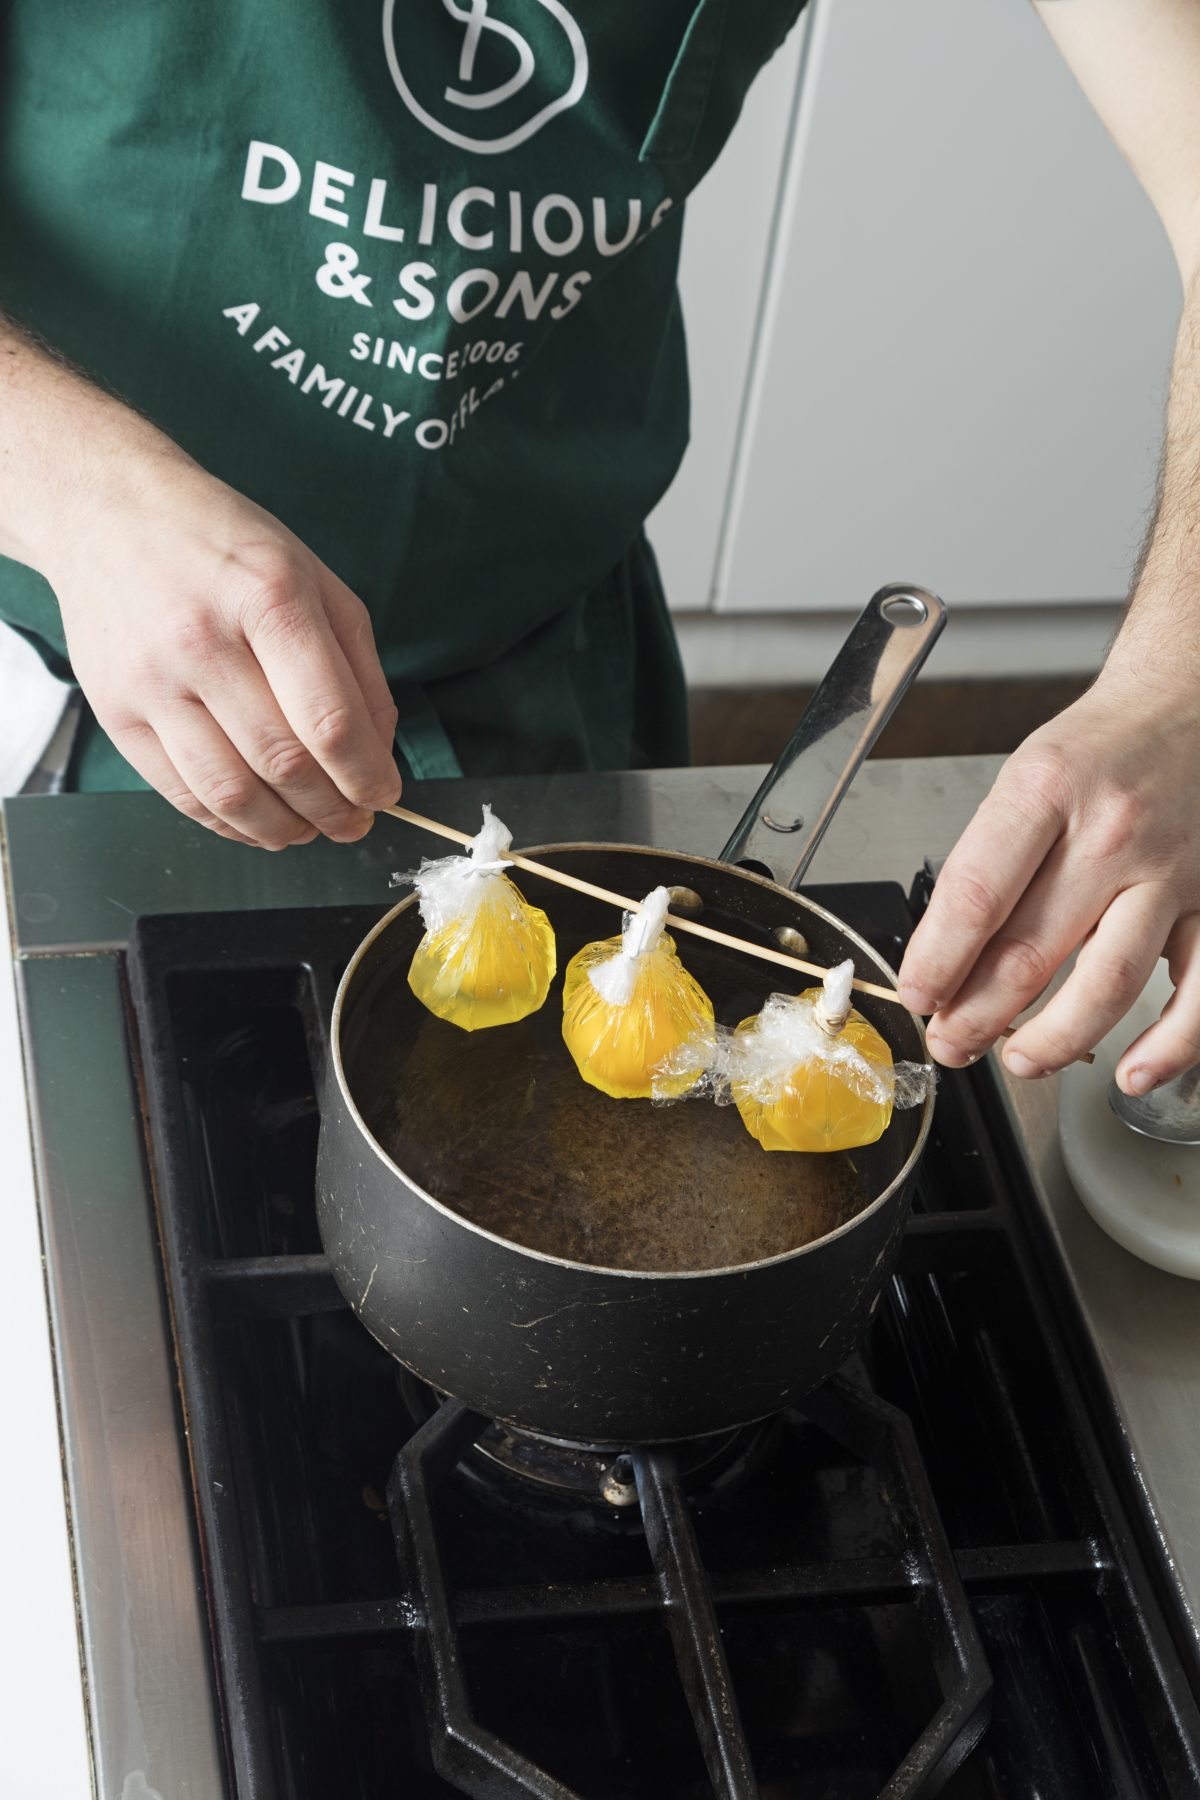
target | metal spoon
[{"x": 1170, "y": 1113}]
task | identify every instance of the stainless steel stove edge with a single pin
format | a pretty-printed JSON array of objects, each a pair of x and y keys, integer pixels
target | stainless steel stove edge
[
  {"x": 141, "y": 1608},
  {"x": 1144, "y": 1326}
]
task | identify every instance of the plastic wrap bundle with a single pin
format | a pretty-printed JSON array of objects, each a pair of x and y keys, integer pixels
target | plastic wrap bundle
[
  {"x": 629, "y": 1003},
  {"x": 807, "y": 1073},
  {"x": 487, "y": 957}
]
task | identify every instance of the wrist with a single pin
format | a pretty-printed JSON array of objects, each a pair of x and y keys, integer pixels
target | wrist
[
  {"x": 1157, "y": 668},
  {"x": 69, "y": 452},
  {"x": 127, "y": 468}
]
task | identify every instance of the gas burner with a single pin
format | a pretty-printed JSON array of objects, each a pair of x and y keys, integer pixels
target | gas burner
[{"x": 524, "y": 1469}]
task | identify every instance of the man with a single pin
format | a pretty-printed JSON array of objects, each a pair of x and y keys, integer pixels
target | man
[{"x": 393, "y": 312}]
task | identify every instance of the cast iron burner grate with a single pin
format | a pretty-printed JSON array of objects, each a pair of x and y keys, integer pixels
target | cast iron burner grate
[
  {"x": 812, "y": 1614},
  {"x": 481, "y": 1764}
]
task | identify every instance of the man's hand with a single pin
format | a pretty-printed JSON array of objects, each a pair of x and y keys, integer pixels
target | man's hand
[
  {"x": 234, "y": 671},
  {"x": 1090, "y": 837},
  {"x": 232, "y": 668}
]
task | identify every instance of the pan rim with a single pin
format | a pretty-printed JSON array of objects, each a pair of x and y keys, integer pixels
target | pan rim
[{"x": 603, "y": 1269}]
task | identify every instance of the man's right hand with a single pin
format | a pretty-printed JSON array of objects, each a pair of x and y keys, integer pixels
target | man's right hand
[
  {"x": 234, "y": 671},
  {"x": 232, "y": 668}
]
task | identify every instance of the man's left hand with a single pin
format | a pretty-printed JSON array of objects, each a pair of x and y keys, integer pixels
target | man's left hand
[{"x": 1089, "y": 841}]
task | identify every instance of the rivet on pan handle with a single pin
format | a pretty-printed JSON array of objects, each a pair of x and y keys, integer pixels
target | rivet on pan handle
[{"x": 787, "y": 818}]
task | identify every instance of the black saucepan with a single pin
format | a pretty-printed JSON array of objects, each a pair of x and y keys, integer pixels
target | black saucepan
[{"x": 615, "y": 1272}]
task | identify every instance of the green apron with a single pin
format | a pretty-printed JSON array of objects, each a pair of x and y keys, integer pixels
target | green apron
[{"x": 403, "y": 272}]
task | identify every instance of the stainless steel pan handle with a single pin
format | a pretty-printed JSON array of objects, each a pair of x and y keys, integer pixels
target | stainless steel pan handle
[{"x": 787, "y": 818}]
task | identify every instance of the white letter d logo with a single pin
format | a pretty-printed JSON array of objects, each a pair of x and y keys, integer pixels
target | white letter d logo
[{"x": 464, "y": 95}]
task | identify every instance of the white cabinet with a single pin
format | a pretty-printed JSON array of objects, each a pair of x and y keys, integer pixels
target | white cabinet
[
  {"x": 961, "y": 331},
  {"x": 727, "y": 242}
]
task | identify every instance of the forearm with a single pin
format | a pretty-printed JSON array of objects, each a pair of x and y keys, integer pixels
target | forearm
[
  {"x": 1138, "y": 61},
  {"x": 1088, "y": 845},
  {"x": 66, "y": 447},
  {"x": 1160, "y": 636}
]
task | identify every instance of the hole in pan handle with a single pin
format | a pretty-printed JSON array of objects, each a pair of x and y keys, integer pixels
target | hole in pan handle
[{"x": 786, "y": 820}]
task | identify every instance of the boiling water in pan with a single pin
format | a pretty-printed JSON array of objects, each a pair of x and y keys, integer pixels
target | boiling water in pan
[{"x": 499, "y": 1126}]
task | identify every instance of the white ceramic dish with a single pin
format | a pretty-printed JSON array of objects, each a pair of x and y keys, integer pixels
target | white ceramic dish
[{"x": 1143, "y": 1193}]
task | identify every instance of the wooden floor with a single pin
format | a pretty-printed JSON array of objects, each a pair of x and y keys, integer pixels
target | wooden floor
[{"x": 937, "y": 718}]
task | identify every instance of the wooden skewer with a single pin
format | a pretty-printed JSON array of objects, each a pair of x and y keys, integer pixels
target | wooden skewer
[{"x": 784, "y": 959}]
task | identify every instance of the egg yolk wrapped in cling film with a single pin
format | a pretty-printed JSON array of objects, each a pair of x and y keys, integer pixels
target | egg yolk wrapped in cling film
[
  {"x": 808, "y": 1083},
  {"x": 629, "y": 1003},
  {"x": 487, "y": 957},
  {"x": 808, "y": 1073}
]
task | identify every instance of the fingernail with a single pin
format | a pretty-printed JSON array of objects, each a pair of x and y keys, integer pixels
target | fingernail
[
  {"x": 953, "y": 1055},
  {"x": 917, "y": 1000},
  {"x": 1140, "y": 1081},
  {"x": 1024, "y": 1066}
]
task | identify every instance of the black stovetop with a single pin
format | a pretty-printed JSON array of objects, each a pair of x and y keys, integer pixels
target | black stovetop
[{"x": 1035, "y": 1657}]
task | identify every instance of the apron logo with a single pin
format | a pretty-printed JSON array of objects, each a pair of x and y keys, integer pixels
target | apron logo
[{"x": 485, "y": 87}]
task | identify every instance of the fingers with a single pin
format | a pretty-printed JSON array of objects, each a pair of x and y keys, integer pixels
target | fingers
[
  {"x": 990, "y": 868},
  {"x": 218, "y": 776},
  {"x": 316, "y": 689},
  {"x": 1112, "y": 968},
  {"x": 245, "y": 708},
  {"x": 1054, "y": 915},
  {"x": 140, "y": 747},
  {"x": 351, "y": 624},
  {"x": 1172, "y": 1045}
]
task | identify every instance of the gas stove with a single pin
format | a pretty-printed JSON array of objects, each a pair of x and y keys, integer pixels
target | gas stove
[
  {"x": 408, "y": 1599},
  {"x": 937, "y": 1575}
]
